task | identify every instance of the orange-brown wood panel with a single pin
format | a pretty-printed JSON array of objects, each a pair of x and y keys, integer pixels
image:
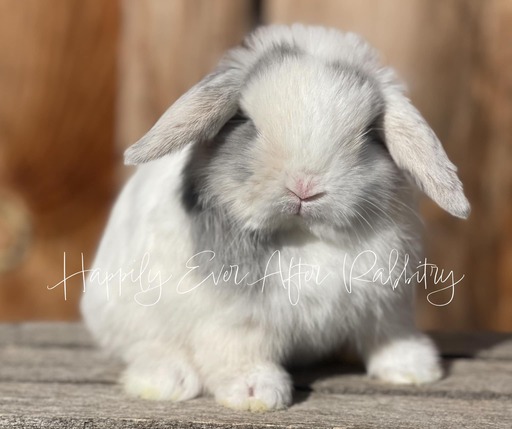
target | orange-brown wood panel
[
  {"x": 490, "y": 134},
  {"x": 63, "y": 94},
  {"x": 456, "y": 56},
  {"x": 57, "y": 158},
  {"x": 64, "y": 103},
  {"x": 167, "y": 46}
]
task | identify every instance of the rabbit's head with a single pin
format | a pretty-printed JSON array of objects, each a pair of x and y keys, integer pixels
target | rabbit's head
[{"x": 302, "y": 125}]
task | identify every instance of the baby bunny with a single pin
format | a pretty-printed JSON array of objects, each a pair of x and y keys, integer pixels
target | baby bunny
[{"x": 258, "y": 230}]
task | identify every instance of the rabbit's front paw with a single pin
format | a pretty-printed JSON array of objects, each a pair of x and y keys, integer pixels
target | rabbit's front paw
[
  {"x": 264, "y": 388},
  {"x": 411, "y": 361},
  {"x": 173, "y": 380}
]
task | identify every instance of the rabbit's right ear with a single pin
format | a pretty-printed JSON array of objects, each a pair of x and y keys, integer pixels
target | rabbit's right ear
[
  {"x": 416, "y": 149},
  {"x": 198, "y": 115}
]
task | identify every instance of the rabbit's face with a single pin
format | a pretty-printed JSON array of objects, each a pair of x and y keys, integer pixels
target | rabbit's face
[
  {"x": 303, "y": 151},
  {"x": 326, "y": 139}
]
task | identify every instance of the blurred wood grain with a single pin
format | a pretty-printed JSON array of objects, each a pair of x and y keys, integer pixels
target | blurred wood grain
[
  {"x": 168, "y": 46},
  {"x": 63, "y": 100},
  {"x": 83, "y": 79},
  {"x": 57, "y": 110}
]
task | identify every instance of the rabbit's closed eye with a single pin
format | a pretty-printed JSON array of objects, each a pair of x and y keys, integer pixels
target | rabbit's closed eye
[{"x": 239, "y": 118}]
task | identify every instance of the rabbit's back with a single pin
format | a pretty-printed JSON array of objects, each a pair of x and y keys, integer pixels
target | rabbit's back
[{"x": 146, "y": 235}]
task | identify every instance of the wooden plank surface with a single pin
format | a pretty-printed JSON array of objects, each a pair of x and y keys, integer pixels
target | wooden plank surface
[
  {"x": 51, "y": 375},
  {"x": 100, "y": 406},
  {"x": 467, "y": 378}
]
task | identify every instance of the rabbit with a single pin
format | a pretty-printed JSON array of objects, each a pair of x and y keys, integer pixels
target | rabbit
[{"x": 301, "y": 153}]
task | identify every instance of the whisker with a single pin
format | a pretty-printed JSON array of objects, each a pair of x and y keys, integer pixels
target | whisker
[
  {"x": 381, "y": 210},
  {"x": 369, "y": 224}
]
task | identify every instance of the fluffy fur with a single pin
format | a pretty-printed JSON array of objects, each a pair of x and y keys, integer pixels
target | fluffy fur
[{"x": 299, "y": 148}]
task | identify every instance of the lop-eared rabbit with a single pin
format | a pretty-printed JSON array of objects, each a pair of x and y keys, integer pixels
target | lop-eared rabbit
[{"x": 257, "y": 229}]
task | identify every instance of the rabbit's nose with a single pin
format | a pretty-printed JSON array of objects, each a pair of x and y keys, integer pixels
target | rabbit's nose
[{"x": 305, "y": 190}]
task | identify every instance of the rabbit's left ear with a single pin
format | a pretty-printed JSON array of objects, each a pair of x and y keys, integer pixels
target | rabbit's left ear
[
  {"x": 415, "y": 148},
  {"x": 198, "y": 115}
]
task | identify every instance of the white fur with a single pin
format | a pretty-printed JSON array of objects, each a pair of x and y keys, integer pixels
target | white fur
[
  {"x": 213, "y": 331},
  {"x": 181, "y": 339}
]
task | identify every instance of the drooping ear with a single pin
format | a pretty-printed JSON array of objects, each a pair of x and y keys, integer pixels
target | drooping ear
[
  {"x": 198, "y": 115},
  {"x": 416, "y": 149}
]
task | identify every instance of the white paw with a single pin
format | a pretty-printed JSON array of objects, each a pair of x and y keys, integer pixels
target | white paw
[
  {"x": 264, "y": 388},
  {"x": 410, "y": 361},
  {"x": 172, "y": 380}
]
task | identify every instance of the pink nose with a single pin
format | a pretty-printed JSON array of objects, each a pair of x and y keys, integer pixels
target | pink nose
[{"x": 305, "y": 190}]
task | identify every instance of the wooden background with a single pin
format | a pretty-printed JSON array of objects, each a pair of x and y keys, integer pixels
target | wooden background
[{"x": 80, "y": 80}]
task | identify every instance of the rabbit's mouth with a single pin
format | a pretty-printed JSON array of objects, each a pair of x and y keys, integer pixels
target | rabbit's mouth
[{"x": 300, "y": 206}]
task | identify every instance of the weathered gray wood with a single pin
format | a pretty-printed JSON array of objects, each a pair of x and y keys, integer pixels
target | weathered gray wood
[
  {"x": 105, "y": 406},
  {"x": 43, "y": 334},
  {"x": 466, "y": 378},
  {"x": 59, "y": 365},
  {"x": 52, "y": 376},
  {"x": 484, "y": 345}
]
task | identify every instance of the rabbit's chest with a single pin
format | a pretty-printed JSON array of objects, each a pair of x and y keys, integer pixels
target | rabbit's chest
[
  {"x": 297, "y": 277},
  {"x": 307, "y": 287},
  {"x": 303, "y": 299}
]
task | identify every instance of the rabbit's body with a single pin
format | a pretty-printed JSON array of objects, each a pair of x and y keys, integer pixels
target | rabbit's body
[
  {"x": 204, "y": 247},
  {"x": 309, "y": 312}
]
